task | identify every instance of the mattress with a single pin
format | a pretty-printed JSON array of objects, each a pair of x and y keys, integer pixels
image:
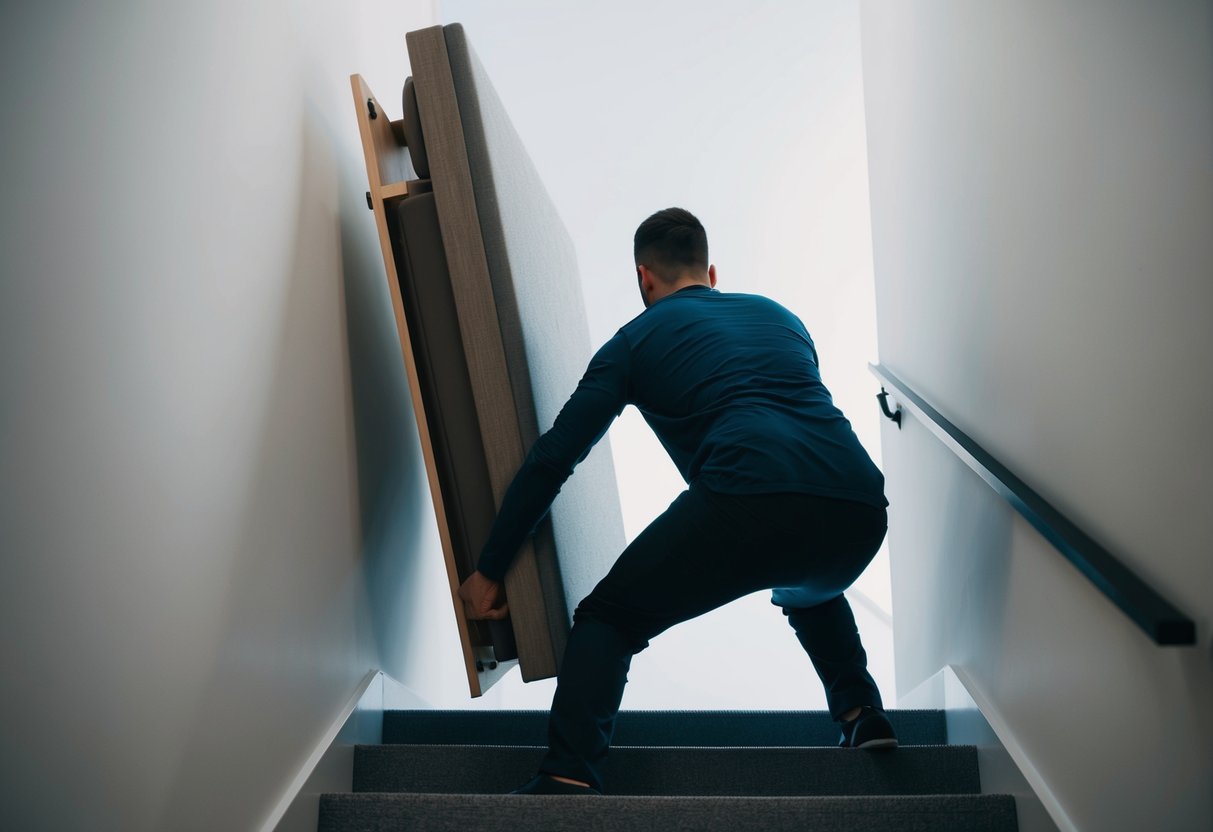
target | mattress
[{"x": 495, "y": 337}]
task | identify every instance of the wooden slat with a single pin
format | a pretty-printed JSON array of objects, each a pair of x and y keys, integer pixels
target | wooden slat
[{"x": 394, "y": 190}]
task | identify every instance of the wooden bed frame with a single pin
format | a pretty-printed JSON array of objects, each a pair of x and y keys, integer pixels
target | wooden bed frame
[{"x": 388, "y": 169}]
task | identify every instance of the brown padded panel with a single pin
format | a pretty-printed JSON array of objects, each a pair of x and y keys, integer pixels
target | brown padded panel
[{"x": 446, "y": 393}]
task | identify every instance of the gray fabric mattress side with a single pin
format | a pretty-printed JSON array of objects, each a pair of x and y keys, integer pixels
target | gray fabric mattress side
[
  {"x": 534, "y": 274},
  {"x": 538, "y": 614}
]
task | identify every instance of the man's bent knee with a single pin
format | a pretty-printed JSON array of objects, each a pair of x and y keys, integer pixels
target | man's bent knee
[{"x": 618, "y": 620}]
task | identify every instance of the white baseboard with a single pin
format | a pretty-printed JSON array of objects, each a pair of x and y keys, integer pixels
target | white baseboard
[
  {"x": 330, "y": 765},
  {"x": 973, "y": 719}
]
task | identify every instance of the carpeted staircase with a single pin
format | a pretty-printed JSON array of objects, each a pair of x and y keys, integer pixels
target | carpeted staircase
[{"x": 667, "y": 770}]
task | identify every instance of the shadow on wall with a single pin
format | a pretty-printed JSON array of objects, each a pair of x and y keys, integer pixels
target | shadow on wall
[
  {"x": 394, "y": 503},
  {"x": 330, "y": 537},
  {"x": 959, "y": 558},
  {"x": 979, "y": 555}
]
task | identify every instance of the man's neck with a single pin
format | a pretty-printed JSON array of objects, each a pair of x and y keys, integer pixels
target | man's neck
[{"x": 664, "y": 291}]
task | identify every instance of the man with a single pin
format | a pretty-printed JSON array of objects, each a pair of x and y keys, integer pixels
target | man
[{"x": 780, "y": 495}]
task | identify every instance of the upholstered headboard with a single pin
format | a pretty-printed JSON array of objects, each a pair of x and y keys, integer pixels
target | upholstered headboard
[{"x": 509, "y": 282}]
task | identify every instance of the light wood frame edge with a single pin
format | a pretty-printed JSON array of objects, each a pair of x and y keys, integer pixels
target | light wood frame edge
[{"x": 381, "y": 192}]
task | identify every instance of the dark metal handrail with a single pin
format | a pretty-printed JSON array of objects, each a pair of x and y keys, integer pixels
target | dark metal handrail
[{"x": 1136, "y": 599}]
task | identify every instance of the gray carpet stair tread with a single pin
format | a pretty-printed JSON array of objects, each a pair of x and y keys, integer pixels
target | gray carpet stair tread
[
  {"x": 678, "y": 771},
  {"x": 684, "y": 728},
  {"x": 467, "y": 813}
]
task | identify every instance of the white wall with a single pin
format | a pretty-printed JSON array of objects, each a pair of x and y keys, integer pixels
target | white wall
[
  {"x": 213, "y": 514},
  {"x": 1042, "y": 199},
  {"x": 751, "y": 116}
]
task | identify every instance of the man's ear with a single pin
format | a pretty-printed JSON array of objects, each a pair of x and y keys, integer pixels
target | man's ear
[
  {"x": 647, "y": 279},
  {"x": 712, "y": 275}
]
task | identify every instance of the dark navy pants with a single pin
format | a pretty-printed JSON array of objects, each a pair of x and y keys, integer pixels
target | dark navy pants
[{"x": 706, "y": 550}]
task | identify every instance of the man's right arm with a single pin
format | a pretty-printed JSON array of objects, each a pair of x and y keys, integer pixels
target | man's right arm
[{"x": 600, "y": 396}]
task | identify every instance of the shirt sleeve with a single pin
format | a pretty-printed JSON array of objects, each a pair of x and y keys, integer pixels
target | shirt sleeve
[{"x": 600, "y": 396}]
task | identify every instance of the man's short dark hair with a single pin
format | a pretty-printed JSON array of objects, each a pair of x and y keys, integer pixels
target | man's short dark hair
[{"x": 671, "y": 241}]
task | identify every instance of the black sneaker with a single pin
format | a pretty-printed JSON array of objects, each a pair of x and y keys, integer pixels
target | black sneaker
[
  {"x": 871, "y": 729},
  {"x": 542, "y": 784}
]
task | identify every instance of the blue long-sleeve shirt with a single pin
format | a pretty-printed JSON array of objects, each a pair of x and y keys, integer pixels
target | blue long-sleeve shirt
[{"x": 730, "y": 385}]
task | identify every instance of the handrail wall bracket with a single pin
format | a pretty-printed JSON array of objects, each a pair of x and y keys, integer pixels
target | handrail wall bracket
[{"x": 894, "y": 415}]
